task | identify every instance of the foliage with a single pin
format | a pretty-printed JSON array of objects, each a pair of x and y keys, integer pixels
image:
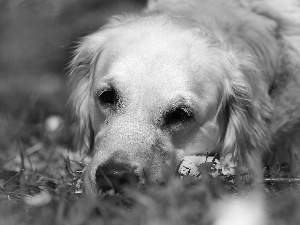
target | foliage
[{"x": 35, "y": 195}]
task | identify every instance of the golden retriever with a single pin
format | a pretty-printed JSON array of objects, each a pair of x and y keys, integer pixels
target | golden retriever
[{"x": 182, "y": 78}]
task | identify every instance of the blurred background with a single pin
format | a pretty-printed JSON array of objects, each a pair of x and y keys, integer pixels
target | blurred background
[{"x": 36, "y": 43}]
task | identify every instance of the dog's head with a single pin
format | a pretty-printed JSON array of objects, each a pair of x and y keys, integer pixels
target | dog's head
[{"x": 148, "y": 91}]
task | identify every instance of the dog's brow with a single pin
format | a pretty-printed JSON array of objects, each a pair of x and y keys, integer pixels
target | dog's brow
[
  {"x": 187, "y": 101},
  {"x": 180, "y": 102},
  {"x": 106, "y": 83}
]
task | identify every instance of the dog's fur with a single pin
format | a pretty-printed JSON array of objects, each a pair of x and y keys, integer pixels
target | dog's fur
[{"x": 190, "y": 77}]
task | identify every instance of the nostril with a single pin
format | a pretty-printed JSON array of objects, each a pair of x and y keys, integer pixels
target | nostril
[
  {"x": 115, "y": 177},
  {"x": 128, "y": 179},
  {"x": 104, "y": 181}
]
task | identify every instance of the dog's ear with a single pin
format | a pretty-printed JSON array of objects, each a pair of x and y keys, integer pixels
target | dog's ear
[
  {"x": 81, "y": 75},
  {"x": 81, "y": 69},
  {"x": 248, "y": 108}
]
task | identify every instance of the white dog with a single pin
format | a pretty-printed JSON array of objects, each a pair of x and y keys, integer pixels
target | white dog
[{"x": 184, "y": 78}]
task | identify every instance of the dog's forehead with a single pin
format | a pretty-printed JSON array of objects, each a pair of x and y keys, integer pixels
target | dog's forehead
[
  {"x": 158, "y": 62},
  {"x": 158, "y": 68},
  {"x": 152, "y": 68}
]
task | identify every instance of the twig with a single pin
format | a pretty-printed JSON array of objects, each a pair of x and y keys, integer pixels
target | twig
[
  {"x": 29, "y": 151},
  {"x": 282, "y": 180},
  {"x": 34, "y": 148}
]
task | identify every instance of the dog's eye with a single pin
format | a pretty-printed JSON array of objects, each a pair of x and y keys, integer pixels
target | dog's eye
[
  {"x": 108, "y": 97},
  {"x": 178, "y": 115}
]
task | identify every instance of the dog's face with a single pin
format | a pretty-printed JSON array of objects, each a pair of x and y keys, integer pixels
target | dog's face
[{"x": 150, "y": 97}]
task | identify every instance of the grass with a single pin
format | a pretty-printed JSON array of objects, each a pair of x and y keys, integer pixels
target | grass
[{"x": 43, "y": 185}]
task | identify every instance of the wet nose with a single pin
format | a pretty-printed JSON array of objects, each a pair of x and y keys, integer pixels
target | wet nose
[{"x": 115, "y": 176}]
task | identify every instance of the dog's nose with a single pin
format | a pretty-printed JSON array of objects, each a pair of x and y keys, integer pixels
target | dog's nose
[{"x": 115, "y": 177}]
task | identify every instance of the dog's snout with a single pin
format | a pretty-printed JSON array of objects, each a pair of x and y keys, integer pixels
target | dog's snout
[{"x": 115, "y": 177}]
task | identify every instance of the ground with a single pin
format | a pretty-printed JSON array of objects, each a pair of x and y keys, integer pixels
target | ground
[{"x": 40, "y": 174}]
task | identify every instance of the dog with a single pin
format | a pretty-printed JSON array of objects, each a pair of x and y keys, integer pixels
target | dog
[{"x": 198, "y": 77}]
